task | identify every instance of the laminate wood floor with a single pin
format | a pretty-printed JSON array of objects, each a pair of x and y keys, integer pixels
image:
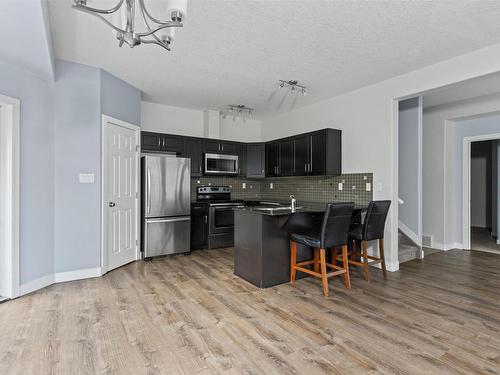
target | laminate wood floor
[{"x": 190, "y": 315}]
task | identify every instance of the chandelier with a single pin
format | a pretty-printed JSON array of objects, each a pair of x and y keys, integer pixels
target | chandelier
[
  {"x": 293, "y": 86},
  {"x": 125, "y": 17},
  {"x": 238, "y": 110}
]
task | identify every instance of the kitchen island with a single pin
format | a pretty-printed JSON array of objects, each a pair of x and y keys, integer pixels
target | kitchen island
[{"x": 261, "y": 243}]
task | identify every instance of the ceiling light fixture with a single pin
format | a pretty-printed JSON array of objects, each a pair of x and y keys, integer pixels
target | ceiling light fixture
[
  {"x": 127, "y": 14},
  {"x": 238, "y": 110},
  {"x": 293, "y": 86}
]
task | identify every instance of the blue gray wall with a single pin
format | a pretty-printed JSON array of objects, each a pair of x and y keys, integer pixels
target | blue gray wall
[
  {"x": 77, "y": 150},
  {"x": 409, "y": 117},
  {"x": 61, "y": 138},
  {"x": 37, "y": 169},
  {"x": 119, "y": 99}
]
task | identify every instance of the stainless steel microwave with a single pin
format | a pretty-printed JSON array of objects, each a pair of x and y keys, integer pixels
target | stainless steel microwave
[{"x": 221, "y": 164}]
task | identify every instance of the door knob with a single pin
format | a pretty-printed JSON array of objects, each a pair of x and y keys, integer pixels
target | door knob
[{"x": 111, "y": 204}]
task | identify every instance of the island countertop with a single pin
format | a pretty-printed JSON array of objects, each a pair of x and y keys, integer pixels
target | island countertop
[{"x": 282, "y": 210}]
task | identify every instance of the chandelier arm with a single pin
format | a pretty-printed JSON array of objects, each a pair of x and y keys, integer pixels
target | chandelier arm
[
  {"x": 164, "y": 26},
  {"x": 91, "y": 12},
  {"x": 147, "y": 24},
  {"x": 157, "y": 43},
  {"x": 156, "y": 20},
  {"x": 101, "y": 11}
]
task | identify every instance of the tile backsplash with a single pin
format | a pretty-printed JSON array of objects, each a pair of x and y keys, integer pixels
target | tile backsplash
[{"x": 320, "y": 189}]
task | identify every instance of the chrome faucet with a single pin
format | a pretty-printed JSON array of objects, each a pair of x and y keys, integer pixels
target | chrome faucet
[{"x": 294, "y": 201}]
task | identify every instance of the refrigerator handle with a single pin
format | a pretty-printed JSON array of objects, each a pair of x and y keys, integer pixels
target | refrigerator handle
[{"x": 148, "y": 187}]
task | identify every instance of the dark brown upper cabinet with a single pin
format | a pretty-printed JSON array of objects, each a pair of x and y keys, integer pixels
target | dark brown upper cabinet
[
  {"x": 162, "y": 142},
  {"x": 193, "y": 150},
  {"x": 256, "y": 160},
  {"x": 213, "y": 146}
]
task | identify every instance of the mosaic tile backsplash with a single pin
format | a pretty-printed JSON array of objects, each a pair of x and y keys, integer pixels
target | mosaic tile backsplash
[{"x": 318, "y": 189}]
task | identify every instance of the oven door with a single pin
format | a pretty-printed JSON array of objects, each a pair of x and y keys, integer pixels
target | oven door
[
  {"x": 221, "y": 219},
  {"x": 221, "y": 164}
]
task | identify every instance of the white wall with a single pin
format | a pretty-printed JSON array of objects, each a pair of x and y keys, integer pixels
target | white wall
[
  {"x": 437, "y": 161},
  {"x": 368, "y": 116},
  {"x": 456, "y": 131},
  {"x": 190, "y": 122},
  {"x": 480, "y": 192},
  {"x": 409, "y": 162}
]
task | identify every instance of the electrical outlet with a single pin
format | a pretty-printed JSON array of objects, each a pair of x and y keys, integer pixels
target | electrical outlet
[
  {"x": 368, "y": 186},
  {"x": 86, "y": 178},
  {"x": 341, "y": 186},
  {"x": 244, "y": 185},
  {"x": 271, "y": 186},
  {"x": 365, "y": 177},
  {"x": 353, "y": 187}
]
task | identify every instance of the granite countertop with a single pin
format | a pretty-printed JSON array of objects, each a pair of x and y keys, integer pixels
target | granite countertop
[{"x": 282, "y": 211}]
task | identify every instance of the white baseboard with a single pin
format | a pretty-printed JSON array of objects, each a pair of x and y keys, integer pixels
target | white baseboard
[
  {"x": 33, "y": 285},
  {"x": 408, "y": 232},
  {"x": 62, "y": 277},
  {"x": 59, "y": 277},
  {"x": 447, "y": 246}
]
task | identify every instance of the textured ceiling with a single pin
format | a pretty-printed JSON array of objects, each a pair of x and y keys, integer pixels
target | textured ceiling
[{"x": 233, "y": 52}]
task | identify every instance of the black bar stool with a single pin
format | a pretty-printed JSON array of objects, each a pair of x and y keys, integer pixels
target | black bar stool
[
  {"x": 332, "y": 233},
  {"x": 371, "y": 229}
]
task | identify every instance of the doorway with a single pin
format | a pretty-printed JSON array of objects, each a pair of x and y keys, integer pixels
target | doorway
[
  {"x": 9, "y": 197},
  {"x": 483, "y": 196},
  {"x": 120, "y": 193}
]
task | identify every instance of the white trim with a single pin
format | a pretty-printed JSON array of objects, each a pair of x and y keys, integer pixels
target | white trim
[
  {"x": 110, "y": 120},
  {"x": 394, "y": 249},
  {"x": 466, "y": 195},
  {"x": 37, "y": 284},
  {"x": 88, "y": 273},
  {"x": 11, "y": 117},
  {"x": 408, "y": 232},
  {"x": 420, "y": 175},
  {"x": 446, "y": 246}
]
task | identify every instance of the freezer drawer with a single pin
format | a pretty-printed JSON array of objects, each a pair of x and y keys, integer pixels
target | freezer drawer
[{"x": 163, "y": 236}]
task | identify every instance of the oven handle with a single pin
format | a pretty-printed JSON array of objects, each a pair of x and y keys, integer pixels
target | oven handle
[{"x": 168, "y": 220}]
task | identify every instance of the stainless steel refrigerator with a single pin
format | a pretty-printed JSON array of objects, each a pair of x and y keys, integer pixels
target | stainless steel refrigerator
[{"x": 166, "y": 205}]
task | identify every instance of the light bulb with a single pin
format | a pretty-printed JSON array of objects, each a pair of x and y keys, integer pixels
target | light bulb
[{"x": 177, "y": 10}]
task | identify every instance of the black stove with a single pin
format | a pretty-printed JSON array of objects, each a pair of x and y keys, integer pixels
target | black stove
[{"x": 220, "y": 214}]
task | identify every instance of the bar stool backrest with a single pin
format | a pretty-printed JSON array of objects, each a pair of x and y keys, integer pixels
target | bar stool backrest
[
  {"x": 335, "y": 225},
  {"x": 374, "y": 224}
]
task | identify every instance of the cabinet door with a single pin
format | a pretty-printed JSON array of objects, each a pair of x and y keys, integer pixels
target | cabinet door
[
  {"x": 199, "y": 227},
  {"x": 317, "y": 151},
  {"x": 192, "y": 150},
  {"x": 172, "y": 143},
  {"x": 230, "y": 148},
  {"x": 272, "y": 158},
  {"x": 256, "y": 155},
  {"x": 212, "y": 146},
  {"x": 285, "y": 160},
  {"x": 242, "y": 159},
  {"x": 300, "y": 155},
  {"x": 150, "y": 141}
]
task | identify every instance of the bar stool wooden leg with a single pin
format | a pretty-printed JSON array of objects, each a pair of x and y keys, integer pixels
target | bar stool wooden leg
[
  {"x": 345, "y": 261},
  {"x": 364, "y": 255},
  {"x": 382, "y": 256},
  {"x": 293, "y": 261},
  {"x": 334, "y": 255},
  {"x": 324, "y": 279},
  {"x": 316, "y": 259}
]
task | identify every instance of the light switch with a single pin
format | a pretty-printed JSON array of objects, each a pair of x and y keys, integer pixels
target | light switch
[
  {"x": 368, "y": 186},
  {"x": 271, "y": 186},
  {"x": 340, "y": 186},
  {"x": 244, "y": 185},
  {"x": 86, "y": 178}
]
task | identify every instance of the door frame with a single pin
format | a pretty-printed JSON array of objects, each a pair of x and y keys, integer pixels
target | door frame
[
  {"x": 106, "y": 120},
  {"x": 10, "y": 112},
  {"x": 466, "y": 194}
]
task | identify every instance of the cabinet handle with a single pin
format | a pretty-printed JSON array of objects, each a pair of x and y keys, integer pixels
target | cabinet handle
[
  {"x": 206, "y": 219},
  {"x": 305, "y": 167},
  {"x": 163, "y": 142},
  {"x": 222, "y": 147},
  {"x": 159, "y": 142}
]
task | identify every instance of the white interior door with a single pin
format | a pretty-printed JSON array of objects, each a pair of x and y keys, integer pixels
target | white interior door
[{"x": 120, "y": 193}]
